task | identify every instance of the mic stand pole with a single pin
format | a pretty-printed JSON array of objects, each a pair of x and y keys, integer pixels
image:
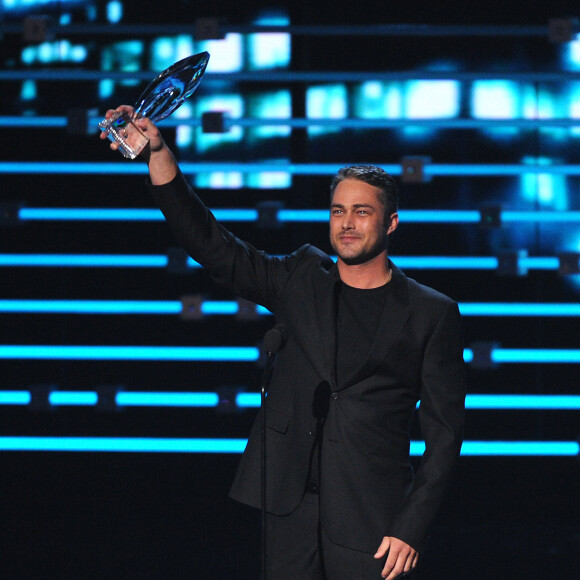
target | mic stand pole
[{"x": 270, "y": 360}]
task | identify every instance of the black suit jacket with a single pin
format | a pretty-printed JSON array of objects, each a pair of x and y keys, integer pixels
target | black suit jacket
[{"x": 367, "y": 486}]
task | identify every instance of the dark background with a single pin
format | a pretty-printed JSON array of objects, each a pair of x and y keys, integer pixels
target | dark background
[{"x": 121, "y": 515}]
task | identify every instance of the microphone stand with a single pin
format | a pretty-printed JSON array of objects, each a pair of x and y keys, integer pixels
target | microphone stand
[
  {"x": 265, "y": 382},
  {"x": 274, "y": 341}
]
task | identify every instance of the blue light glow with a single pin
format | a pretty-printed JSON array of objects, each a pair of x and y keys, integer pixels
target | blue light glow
[
  {"x": 210, "y": 308},
  {"x": 243, "y": 167},
  {"x": 523, "y": 402},
  {"x": 122, "y": 444},
  {"x": 15, "y": 397},
  {"x": 378, "y": 100},
  {"x": 327, "y": 102},
  {"x": 73, "y": 398},
  {"x": 495, "y": 99},
  {"x": 227, "y": 55},
  {"x": 232, "y": 105},
  {"x": 174, "y": 445},
  {"x": 518, "y": 309},
  {"x": 114, "y": 11},
  {"x": 521, "y": 448},
  {"x": 83, "y": 260},
  {"x": 267, "y": 50},
  {"x": 252, "y": 400},
  {"x": 438, "y": 216},
  {"x": 128, "y": 399},
  {"x": 270, "y": 105},
  {"x": 544, "y": 189},
  {"x": 238, "y": 353},
  {"x": 144, "y": 353},
  {"x": 535, "y": 356},
  {"x": 432, "y": 99},
  {"x": 91, "y": 306}
]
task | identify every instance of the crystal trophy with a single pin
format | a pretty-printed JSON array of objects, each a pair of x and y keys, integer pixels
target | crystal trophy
[{"x": 164, "y": 95}]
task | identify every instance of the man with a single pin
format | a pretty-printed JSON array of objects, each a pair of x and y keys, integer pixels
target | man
[{"x": 365, "y": 343}]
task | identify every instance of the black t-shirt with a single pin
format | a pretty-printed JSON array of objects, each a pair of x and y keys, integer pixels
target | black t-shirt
[{"x": 358, "y": 315}]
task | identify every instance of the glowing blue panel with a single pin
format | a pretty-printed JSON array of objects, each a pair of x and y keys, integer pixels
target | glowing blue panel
[
  {"x": 233, "y": 106},
  {"x": 83, "y": 260},
  {"x": 227, "y": 54},
  {"x": 91, "y": 306},
  {"x": 572, "y": 55},
  {"x": 447, "y": 262},
  {"x": 518, "y": 309},
  {"x": 248, "y": 400},
  {"x": 158, "y": 353},
  {"x": 523, "y": 402},
  {"x": 269, "y": 50},
  {"x": 327, "y": 102},
  {"x": 73, "y": 398},
  {"x": 122, "y": 444},
  {"x": 432, "y": 99},
  {"x": 495, "y": 99},
  {"x": 89, "y": 214},
  {"x": 15, "y": 397},
  {"x": 539, "y": 262},
  {"x": 269, "y": 180},
  {"x": 168, "y": 445},
  {"x": 378, "y": 100},
  {"x": 444, "y": 216},
  {"x": 270, "y": 105},
  {"x": 535, "y": 356},
  {"x": 127, "y": 399},
  {"x": 212, "y": 308},
  {"x": 521, "y": 448},
  {"x": 114, "y": 11}
]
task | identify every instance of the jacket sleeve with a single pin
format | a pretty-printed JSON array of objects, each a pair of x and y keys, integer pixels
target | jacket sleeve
[
  {"x": 441, "y": 417},
  {"x": 231, "y": 262}
]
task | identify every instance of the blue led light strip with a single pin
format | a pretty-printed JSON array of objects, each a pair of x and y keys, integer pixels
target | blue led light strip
[
  {"x": 225, "y": 307},
  {"x": 293, "y": 76},
  {"x": 160, "y": 261},
  {"x": 341, "y": 30},
  {"x": 430, "y": 170},
  {"x": 478, "y": 402},
  {"x": 239, "y": 353},
  {"x": 147, "y": 353},
  {"x": 252, "y": 400},
  {"x": 303, "y": 123},
  {"x": 288, "y": 215},
  {"x": 134, "y": 399},
  {"x": 177, "y": 445}
]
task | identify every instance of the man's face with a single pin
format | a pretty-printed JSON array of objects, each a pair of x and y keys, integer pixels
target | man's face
[{"x": 358, "y": 232}]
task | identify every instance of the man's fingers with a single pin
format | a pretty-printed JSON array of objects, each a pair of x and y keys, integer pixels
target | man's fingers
[{"x": 383, "y": 548}]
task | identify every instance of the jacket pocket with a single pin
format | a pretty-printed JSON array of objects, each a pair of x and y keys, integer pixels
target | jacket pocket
[{"x": 277, "y": 421}]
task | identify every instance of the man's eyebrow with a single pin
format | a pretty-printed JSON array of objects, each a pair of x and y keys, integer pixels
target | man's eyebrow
[{"x": 355, "y": 205}]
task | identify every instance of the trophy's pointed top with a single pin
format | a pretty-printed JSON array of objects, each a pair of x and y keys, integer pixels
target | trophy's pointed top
[{"x": 169, "y": 90}]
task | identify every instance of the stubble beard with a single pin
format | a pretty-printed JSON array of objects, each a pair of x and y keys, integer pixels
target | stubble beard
[{"x": 365, "y": 255}]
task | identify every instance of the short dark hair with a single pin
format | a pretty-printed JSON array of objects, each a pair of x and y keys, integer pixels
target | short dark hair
[{"x": 375, "y": 176}]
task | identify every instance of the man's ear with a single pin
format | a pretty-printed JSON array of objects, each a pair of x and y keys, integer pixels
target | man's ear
[{"x": 393, "y": 223}]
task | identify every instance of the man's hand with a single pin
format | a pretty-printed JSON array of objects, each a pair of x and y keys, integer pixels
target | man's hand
[
  {"x": 162, "y": 165},
  {"x": 401, "y": 560}
]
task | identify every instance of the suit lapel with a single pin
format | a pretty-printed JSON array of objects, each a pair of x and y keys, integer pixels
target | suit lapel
[
  {"x": 315, "y": 327},
  {"x": 393, "y": 317}
]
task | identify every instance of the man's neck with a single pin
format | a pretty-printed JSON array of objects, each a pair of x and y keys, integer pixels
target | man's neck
[{"x": 371, "y": 274}]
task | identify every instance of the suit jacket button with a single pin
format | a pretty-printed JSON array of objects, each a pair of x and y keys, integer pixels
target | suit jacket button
[{"x": 335, "y": 395}]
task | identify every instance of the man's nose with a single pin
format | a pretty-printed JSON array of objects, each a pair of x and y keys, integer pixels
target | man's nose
[{"x": 347, "y": 222}]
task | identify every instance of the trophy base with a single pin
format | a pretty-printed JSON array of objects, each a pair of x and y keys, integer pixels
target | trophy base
[{"x": 121, "y": 130}]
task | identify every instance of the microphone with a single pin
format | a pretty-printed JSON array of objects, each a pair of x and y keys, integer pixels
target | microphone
[{"x": 275, "y": 339}]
